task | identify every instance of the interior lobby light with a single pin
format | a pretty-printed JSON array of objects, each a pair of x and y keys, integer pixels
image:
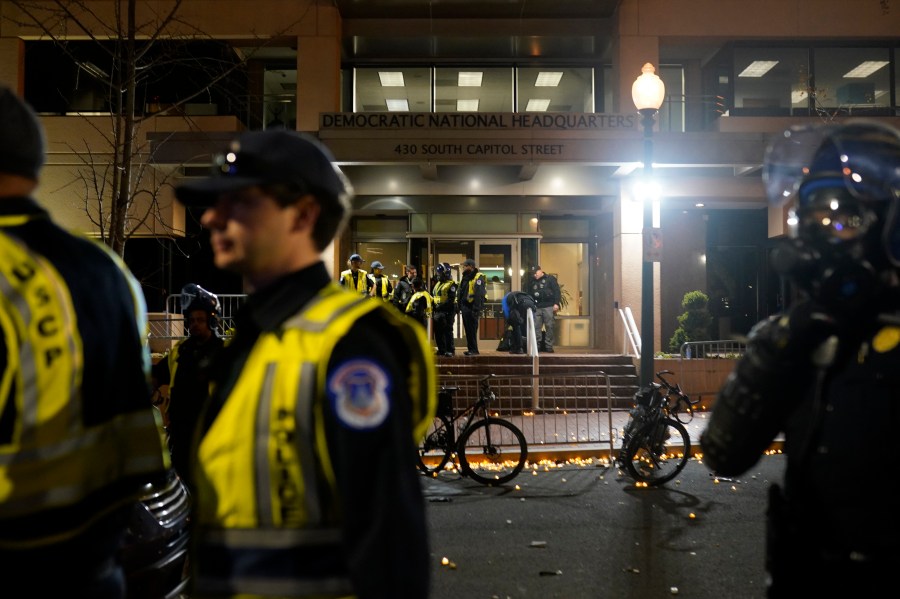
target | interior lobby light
[
  {"x": 864, "y": 69},
  {"x": 548, "y": 79},
  {"x": 469, "y": 79},
  {"x": 398, "y": 105},
  {"x": 467, "y": 105},
  {"x": 391, "y": 78},
  {"x": 535, "y": 105},
  {"x": 758, "y": 68}
]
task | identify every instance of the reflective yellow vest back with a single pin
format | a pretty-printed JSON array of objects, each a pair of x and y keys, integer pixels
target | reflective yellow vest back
[
  {"x": 53, "y": 460},
  {"x": 416, "y": 297},
  {"x": 269, "y": 434}
]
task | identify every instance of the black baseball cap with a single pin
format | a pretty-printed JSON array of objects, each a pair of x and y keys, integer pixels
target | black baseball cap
[
  {"x": 468, "y": 262},
  {"x": 356, "y": 257},
  {"x": 266, "y": 157},
  {"x": 21, "y": 137}
]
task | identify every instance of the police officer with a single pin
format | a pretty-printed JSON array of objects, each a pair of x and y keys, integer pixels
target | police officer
[
  {"x": 471, "y": 302},
  {"x": 421, "y": 304},
  {"x": 354, "y": 278},
  {"x": 444, "y": 294},
  {"x": 516, "y": 305},
  {"x": 827, "y": 371},
  {"x": 316, "y": 384},
  {"x": 544, "y": 289},
  {"x": 79, "y": 438},
  {"x": 379, "y": 285},
  {"x": 185, "y": 370},
  {"x": 404, "y": 288}
]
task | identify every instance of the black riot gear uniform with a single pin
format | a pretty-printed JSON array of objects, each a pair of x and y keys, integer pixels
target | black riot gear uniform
[{"x": 826, "y": 372}]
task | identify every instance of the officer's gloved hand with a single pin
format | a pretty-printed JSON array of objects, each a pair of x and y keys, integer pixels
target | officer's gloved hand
[{"x": 809, "y": 325}]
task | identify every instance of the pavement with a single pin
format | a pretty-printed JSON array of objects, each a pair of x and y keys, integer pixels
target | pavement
[{"x": 580, "y": 529}]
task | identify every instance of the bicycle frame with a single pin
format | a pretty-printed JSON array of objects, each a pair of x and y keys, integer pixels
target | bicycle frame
[{"x": 473, "y": 434}]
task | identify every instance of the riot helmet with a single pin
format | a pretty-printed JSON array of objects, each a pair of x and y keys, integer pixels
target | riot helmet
[
  {"x": 443, "y": 271},
  {"x": 842, "y": 184},
  {"x": 195, "y": 297}
]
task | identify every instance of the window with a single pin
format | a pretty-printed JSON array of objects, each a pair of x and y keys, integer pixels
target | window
[
  {"x": 771, "y": 81},
  {"x": 852, "y": 80},
  {"x": 473, "y": 89}
]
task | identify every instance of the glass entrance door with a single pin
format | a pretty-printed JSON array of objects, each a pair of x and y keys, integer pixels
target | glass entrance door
[{"x": 499, "y": 260}]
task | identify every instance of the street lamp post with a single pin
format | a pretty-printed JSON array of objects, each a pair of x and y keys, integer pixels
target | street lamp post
[{"x": 648, "y": 92}]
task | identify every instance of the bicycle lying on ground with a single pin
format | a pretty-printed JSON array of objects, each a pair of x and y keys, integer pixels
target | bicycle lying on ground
[
  {"x": 656, "y": 446},
  {"x": 491, "y": 450}
]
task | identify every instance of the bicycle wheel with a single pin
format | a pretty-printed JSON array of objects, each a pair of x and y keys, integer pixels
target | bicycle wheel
[
  {"x": 492, "y": 451},
  {"x": 656, "y": 454},
  {"x": 435, "y": 449}
]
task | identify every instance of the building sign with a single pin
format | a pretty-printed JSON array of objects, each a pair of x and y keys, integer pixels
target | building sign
[
  {"x": 558, "y": 121},
  {"x": 501, "y": 138}
]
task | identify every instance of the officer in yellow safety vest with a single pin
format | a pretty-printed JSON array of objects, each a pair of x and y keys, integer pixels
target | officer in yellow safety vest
[
  {"x": 472, "y": 293},
  {"x": 444, "y": 294},
  {"x": 317, "y": 386},
  {"x": 420, "y": 304},
  {"x": 379, "y": 285},
  {"x": 79, "y": 438},
  {"x": 354, "y": 278}
]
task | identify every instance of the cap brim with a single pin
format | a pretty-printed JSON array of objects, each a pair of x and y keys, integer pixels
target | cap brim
[{"x": 204, "y": 192}]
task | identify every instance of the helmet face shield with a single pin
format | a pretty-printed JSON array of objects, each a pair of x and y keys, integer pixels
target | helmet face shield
[
  {"x": 865, "y": 155},
  {"x": 830, "y": 215},
  {"x": 194, "y": 296},
  {"x": 841, "y": 179}
]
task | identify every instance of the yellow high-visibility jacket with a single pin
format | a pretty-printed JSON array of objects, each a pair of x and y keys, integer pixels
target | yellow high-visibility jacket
[
  {"x": 270, "y": 436},
  {"x": 79, "y": 438},
  {"x": 347, "y": 281}
]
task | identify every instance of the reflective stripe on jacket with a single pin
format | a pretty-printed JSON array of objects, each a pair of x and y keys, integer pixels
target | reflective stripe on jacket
[
  {"x": 277, "y": 534},
  {"x": 53, "y": 460},
  {"x": 347, "y": 281}
]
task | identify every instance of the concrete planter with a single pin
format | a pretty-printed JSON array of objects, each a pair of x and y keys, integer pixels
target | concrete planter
[{"x": 699, "y": 377}]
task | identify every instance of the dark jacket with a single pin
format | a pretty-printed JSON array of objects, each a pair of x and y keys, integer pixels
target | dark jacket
[
  {"x": 545, "y": 291},
  {"x": 89, "y": 407},
  {"x": 835, "y": 392}
]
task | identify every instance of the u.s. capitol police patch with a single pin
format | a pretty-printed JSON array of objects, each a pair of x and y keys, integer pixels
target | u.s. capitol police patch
[{"x": 358, "y": 394}]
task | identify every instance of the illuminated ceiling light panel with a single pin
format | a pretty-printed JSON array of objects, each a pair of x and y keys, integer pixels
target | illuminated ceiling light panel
[
  {"x": 548, "y": 79},
  {"x": 467, "y": 105},
  {"x": 391, "y": 78},
  {"x": 398, "y": 105},
  {"x": 469, "y": 79},
  {"x": 758, "y": 68},
  {"x": 537, "y": 105},
  {"x": 864, "y": 69}
]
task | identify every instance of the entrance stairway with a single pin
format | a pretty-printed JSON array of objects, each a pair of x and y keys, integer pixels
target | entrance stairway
[{"x": 620, "y": 369}]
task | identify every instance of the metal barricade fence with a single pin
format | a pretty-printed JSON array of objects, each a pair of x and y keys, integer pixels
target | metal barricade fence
[
  {"x": 572, "y": 409},
  {"x": 173, "y": 326},
  {"x": 728, "y": 348}
]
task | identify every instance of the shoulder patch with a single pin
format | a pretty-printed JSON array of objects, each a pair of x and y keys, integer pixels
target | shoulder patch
[
  {"x": 887, "y": 339},
  {"x": 479, "y": 281},
  {"x": 358, "y": 392}
]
